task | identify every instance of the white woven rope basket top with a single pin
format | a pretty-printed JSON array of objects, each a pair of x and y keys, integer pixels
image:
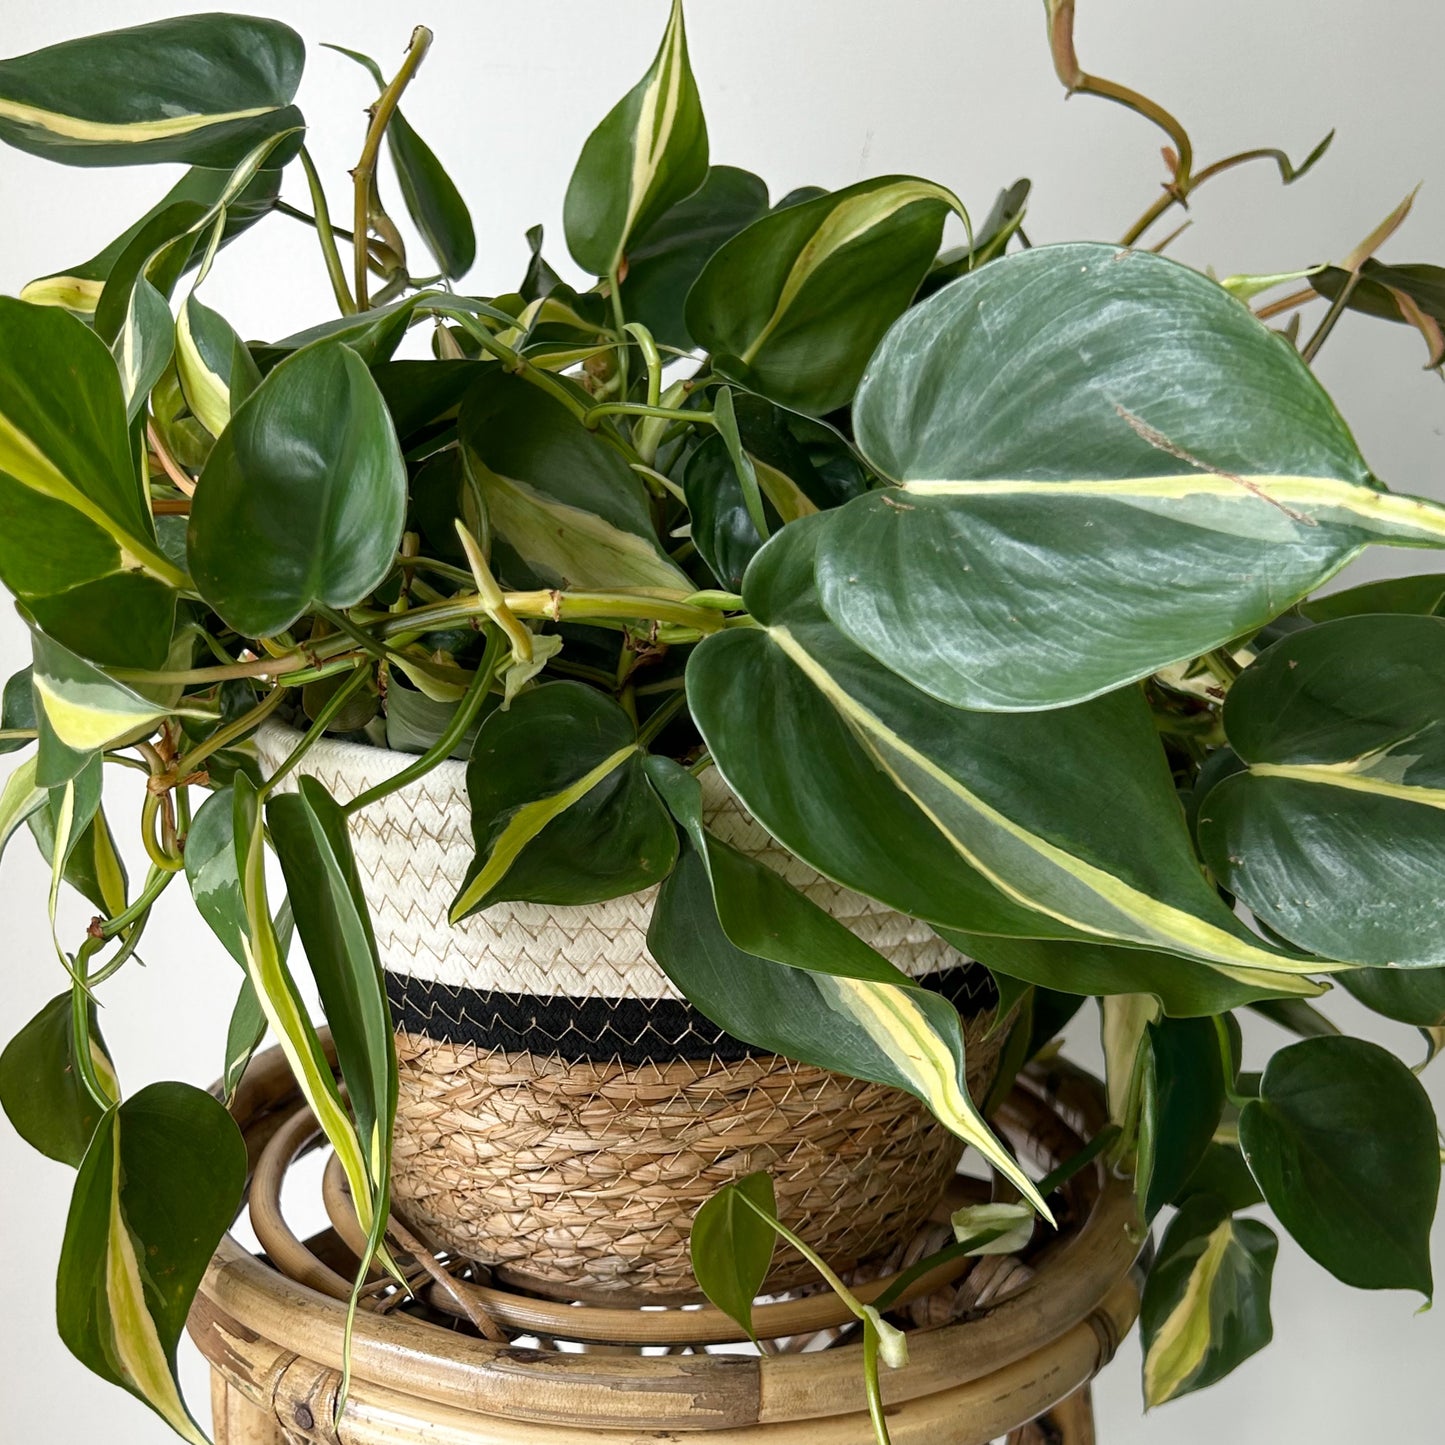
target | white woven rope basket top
[{"x": 413, "y": 849}]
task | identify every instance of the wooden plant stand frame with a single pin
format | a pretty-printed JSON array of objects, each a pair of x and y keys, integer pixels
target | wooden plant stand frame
[{"x": 1019, "y": 1367}]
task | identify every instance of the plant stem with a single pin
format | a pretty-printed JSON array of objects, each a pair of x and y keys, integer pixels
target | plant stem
[
  {"x": 660, "y": 719},
  {"x": 365, "y": 172},
  {"x": 453, "y": 733},
  {"x": 223, "y": 737},
  {"x": 594, "y": 414},
  {"x": 872, "y": 1387},
  {"x": 321, "y": 722},
  {"x": 619, "y": 322},
  {"x": 1226, "y": 1059},
  {"x": 652, "y": 357},
  {"x": 335, "y": 271}
]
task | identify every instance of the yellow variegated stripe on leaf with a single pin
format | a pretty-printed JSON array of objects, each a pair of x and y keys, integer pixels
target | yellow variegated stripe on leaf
[
  {"x": 657, "y": 116},
  {"x": 26, "y": 463},
  {"x": 74, "y": 293},
  {"x": 574, "y": 547},
  {"x": 525, "y": 824},
  {"x": 892, "y": 1018},
  {"x": 1355, "y": 776},
  {"x": 1134, "y": 915},
  {"x": 280, "y": 1002},
  {"x": 850, "y": 220},
  {"x": 77, "y": 128},
  {"x": 138, "y": 1350},
  {"x": 19, "y": 798},
  {"x": 207, "y": 392},
  {"x": 86, "y": 709},
  {"x": 1124, "y": 1018},
  {"x": 1179, "y": 1348}
]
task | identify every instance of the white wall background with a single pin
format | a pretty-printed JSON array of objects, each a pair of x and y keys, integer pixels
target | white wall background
[{"x": 802, "y": 91}]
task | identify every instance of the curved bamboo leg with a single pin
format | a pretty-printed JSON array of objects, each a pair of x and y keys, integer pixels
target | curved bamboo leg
[{"x": 236, "y": 1421}]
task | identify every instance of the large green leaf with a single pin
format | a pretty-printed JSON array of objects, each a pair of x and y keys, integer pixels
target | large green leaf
[
  {"x": 41, "y": 1088},
  {"x": 1424, "y": 595},
  {"x": 78, "y": 288},
  {"x": 565, "y": 508},
  {"x": 1206, "y": 1304},
  {"x": 648, "y": 154},
  {"x": 303, "y": 498},
  {"x": 1107, "y": 465},
  {"x": 731, "y": 1245},
  {"x": 1058, "y": 824},
  {"x": 664, "y": 261},
  {"x": 199, "y": 89},
  {"x": 211, "y": 871},
  {"x": 1342, "y": 1142},
  {"x": 93, "y": 867},
  {"x": 78, "y": 546},
  {"x": 1411, "y": 996},
  {"x": 1335, "y": 835},
  {"x": 308, "y": 831},
  {"x": 794, "y": 305},
  {"x": 987, "y": 243},
  {"x": 771, "y": 967},
  {"x": 159, "y": 1186},
  {"x": 573, "y": 822},
  {"x": 432, "y": 199}
]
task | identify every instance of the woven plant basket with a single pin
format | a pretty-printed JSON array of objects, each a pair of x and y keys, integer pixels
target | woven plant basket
[{"x": 563, "y": 1111}]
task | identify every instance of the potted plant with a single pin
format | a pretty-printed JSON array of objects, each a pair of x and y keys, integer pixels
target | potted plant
[{"x": 713, "y": 726}]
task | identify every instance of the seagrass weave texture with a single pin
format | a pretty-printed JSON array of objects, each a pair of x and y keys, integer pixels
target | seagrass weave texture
[{"x": 574, "y": 1166}]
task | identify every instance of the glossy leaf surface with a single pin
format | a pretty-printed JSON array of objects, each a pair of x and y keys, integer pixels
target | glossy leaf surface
[
  {"x": 772, "y": 968},
  {"x": 1342, "y": 1142},
  {"x": 574, "y": 822},
  {"x": 1009, "y": 825},
  {"x": 303, "y": 498},
  {"x": 78, "y": 546},
  {"x": 565, "y": 508},
  {"x": 199, "y": 89},
  {"x": 41, "y": 1090},
  {"x": 1107, "y": 466},
  {"x": 648, "y": 154},
  {"x": 665, "y": 260},
  {"x": 799, "y": 299},
  {"x": 731, "y": 1245},
  {"x": 1184, "y": 1098},
  {"x": 1206, "y": 1303},
  {"x": 159, "y": 1185},
  {"x": 1335, "y": 836}
]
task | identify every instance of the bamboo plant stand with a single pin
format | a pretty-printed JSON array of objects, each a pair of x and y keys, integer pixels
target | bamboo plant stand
[{"x": 1001, "y": 1346}]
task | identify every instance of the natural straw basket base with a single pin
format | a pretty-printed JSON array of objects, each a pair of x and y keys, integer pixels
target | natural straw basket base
[
  {"x": 560, "y": 1172},
  {"x": 564, "y": 1111}
]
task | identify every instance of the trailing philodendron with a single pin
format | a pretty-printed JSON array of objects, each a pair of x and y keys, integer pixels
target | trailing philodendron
[{"x": 981, "y": 575}]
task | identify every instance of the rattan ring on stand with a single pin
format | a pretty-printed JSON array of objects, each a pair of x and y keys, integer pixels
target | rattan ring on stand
[{"x": 1032, "y": 1331}]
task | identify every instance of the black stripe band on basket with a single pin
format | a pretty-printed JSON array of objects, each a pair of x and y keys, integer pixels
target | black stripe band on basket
[{"x": 634, "y": 1030}]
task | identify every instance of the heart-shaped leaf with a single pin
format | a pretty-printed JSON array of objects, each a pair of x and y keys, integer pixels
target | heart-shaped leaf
[
  {"x": 799, "y": 299},
  {"x": 574, "y": 822},
  {"x": 1011, "y": 825},
  {"x": 648, "y": 154},
  {"x": 1206, "y": 1304},
  {"x": 200, "y": 89},
  {"x": 303, "y": 498},
  {"x": 1107, "y": 466},
  {"x": 1335, "y": 834},
  {"x": 41, "y": 1088},
  {"x": 78, "y": 546},
  {"x": 665, "y": 260},
  {"x": 731, "y": 1245},
  {"x": 159, "y": 1186},
  {"x": 1342, "y": 1142}
]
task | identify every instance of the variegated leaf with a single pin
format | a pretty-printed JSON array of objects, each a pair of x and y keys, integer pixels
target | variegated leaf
[
  {"x": 1335, "y": 833},
  {"x": 1107, "y": 465},
  {"x": 794, "y": 304},
  {"x": 564, "y": 507},
  {"x": 649, "y": 153},
  {"x": 1206, "y": 1303},
  {"x": 773, "y": 968},
  {"x": 200, "y": 89},
  {"x": 1010, "y": 825},
  {"x": 159, "y": 1185},
  {"x": 78, "y": 546}
]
